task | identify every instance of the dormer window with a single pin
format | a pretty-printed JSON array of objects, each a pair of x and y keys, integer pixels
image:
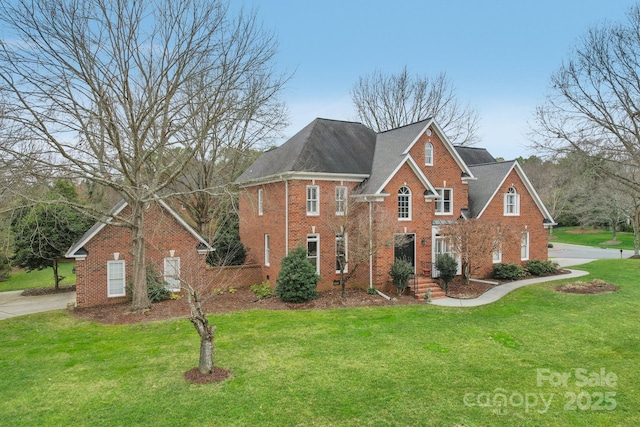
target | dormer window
[
  {"x": 428, "y": 154},
  {"x": 404, "y": 203},
  {"x": 511, "y": 202}
]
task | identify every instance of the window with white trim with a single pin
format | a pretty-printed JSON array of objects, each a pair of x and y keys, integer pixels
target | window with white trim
[
  {"x": 524, "y": 246},
  {"x": 341, "y": 199},
  {"x": 313, "y": 200},
  {"x": 511, "y": 202},
  {"x": 260, "y": 201},
  {"x": 444, "y": 203},
  {"x": 428, "y": 154},
  {"x": 172, "y": 273},
  {"x": 313, "y": 250},
  {"x": 404, "y": 203},
  {"x": 497, "y": 255},
  {"x": 267, "y": 250},
  {"x": 341, "y": 252},
  {"x": 116, "y": 278}
]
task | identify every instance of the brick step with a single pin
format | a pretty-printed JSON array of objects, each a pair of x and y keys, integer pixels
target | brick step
[{"x": 424, "y": 284}]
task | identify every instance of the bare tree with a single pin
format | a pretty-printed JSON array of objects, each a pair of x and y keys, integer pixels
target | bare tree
[
  {"x": 387, "y": 101},
  {"x": 362, "y": 230},
  {"x": 593, "y": 107},
  {"x": 475, "y": 240},
  {"x": 125, "y": 93}
]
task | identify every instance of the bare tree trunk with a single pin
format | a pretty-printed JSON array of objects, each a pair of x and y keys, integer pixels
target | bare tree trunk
[
  {"x": 206, "y": 332},
  {"x": 140, "y": 298},
  {"x": 636, "y": 233},
  {"x": 56, "y": 277}
]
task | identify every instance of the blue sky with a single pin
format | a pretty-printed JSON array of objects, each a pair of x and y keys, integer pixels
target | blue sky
[{"x": 499, "y": 54}]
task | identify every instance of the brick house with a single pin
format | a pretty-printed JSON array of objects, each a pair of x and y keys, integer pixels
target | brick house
[
  {"x": 414, "y": 173},
  {"x": 103, "y": 256}
]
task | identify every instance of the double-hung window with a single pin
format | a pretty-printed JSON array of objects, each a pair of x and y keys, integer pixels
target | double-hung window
[
  {"x": 172, "y": 273},
  {"x": 428, "y": 154},
  {"x": 313, "y": 200},
  {"x": 444, "y": 203},
  {"x": 267, "y": 250},
  {"x": 313, "y": 251},
  {"x": 341, "y": 199},
  {"x": 511, "y": 202},
  {"x": 524, "y": 246},
  {"x": 260, "y": 201},
  {"x": 115, "y": 278},
  {"x": 404, "y": 203}
]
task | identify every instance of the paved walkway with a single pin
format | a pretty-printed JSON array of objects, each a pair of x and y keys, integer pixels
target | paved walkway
[
  {"x": 564, "y": 254},
  {"x": 498, "y": 292},
  {"x": 13, "y": 304}
]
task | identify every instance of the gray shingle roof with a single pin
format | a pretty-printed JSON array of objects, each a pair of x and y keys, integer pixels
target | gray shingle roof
[
  {"x": 328, "y": 146},
  {"x": 389, "y": 149},
  {"x": 474, "y": 156},
  {"x": 489, "y": 177}
]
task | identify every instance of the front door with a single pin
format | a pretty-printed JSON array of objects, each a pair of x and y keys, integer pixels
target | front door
[{"x": 404, "y": 246}]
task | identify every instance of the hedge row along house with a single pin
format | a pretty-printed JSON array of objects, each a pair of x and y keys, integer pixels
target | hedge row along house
[{"x": 291, "y": 195}]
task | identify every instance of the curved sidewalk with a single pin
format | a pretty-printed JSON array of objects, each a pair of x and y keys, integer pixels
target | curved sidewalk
[{"x": 494, "y": 294}]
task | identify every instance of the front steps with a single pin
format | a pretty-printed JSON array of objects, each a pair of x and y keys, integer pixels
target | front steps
[{"x": 421, "y": 286}]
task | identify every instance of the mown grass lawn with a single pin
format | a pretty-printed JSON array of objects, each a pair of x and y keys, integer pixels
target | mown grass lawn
[
  {"x": 591, "y": 237},
  {"x": 411, "y": 365},
  {"x": 38, "y": 278}
]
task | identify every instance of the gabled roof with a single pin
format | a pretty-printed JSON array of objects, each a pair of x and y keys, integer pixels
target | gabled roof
[
  {"x": 77, "y": 249},
  {"x": 323, "y": 146},
  {"x": 490, "y": 177},
  {"x": 392, "y": 150}
]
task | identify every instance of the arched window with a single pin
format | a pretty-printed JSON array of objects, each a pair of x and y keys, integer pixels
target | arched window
[
  {"x": 404, "y": 203},
  {"x": 512, "y": 202},
  {"x": 428, "y": 154}
]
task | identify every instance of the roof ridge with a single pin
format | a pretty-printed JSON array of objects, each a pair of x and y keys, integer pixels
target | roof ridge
[{"x": 407, "y": 125}]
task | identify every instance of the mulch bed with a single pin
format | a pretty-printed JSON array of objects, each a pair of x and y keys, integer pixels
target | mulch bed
[
  {"x": 195, "y": 377},
  {"x": 240, "y": 299},
  {"x": 594, "y": 287}
]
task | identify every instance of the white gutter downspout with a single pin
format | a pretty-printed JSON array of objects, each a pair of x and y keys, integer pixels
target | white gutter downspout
[
  {"x": 370, "y": 245},
  {"x": 286, "y": 217}
]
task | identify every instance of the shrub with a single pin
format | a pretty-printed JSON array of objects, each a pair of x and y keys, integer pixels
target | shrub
[
  {"x": 262, "y": 290},
  {"x": 539, "y": 268},
  {"x": 156, "y": 288},
  {"x": 506, "y": 271},
  {"x": 5, "y": 267},
  {"x": 447, "y": 265},
  {"x": 372, "y": 291},
  {"x": 400, "y": 272},
  {"x": 297, "y": 280}
]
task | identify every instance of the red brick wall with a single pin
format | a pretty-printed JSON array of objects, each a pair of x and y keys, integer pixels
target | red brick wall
[
  {"x": 240, "y": 276},
  {"x": 530, "y": 219},
  {"x": 163, "y": 233},
  {"x": 445, "y": 172}
]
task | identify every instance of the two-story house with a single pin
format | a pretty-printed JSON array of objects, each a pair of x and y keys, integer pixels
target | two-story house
[{"x": 290, "y": 194}]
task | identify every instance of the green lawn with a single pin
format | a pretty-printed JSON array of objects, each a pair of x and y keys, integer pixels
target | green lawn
[
  {"x": 591, "y": 237},
  {"x": 409, "y": 365},
  {"x": 38, "y": 278}
]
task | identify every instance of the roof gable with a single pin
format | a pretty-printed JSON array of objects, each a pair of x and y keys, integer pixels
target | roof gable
[
  {"x": 76, "y": 250},
  {"x": 392, "y": 149},
  {"x": 490, "y": 178}
]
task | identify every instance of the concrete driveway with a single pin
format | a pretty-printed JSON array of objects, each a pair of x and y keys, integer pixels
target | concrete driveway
[
  {"x": 569, "y": 255},
  {"x": 13, "y": 304}
]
